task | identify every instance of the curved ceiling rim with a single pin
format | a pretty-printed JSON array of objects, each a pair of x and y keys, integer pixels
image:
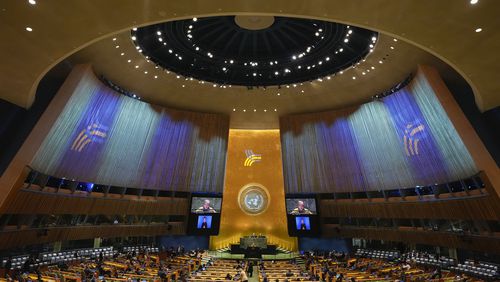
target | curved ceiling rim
[{"x": 475, "y": 90}]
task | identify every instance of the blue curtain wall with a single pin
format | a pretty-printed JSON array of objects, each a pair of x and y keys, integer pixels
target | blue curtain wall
[
  {"x": 108, "y": 138},
  {"x": 403, "y": 140}
]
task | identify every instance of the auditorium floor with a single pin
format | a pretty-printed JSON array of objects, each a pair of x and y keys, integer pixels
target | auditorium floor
[{"x": 255, "y": 276}]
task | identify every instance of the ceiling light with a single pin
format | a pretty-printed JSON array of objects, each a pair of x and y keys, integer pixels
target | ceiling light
[
  {"x": 33, "y": 2},
  {"x": 170, "y": 51},
  {"x": 479, "y": 29},
  {"x": 254, "y": 74},
  {"x": 29, "y": 29},
  {"x": 473, "y": 2},
  {"x": 254, "y": 110},
  {"x": 346, "y": 40},
  {"x": 224, "y": 69},
  {"x": 275, "y": 110},
  {"x": 363, "y": 73},
  {"x": 156, "y": 76},
  {"x": 195, "y": 19},
  {"x": 353, "y": 77},
  {"x": 392, "y": 47},
  {"x": 136, "y": 66},
  {"x": 374, "y": 38},
  {"x": 380, "y": 62},
  {"x": 395, "y": 40},
  {"x": 114, "y": 39},
  {"x": 278, "y": 94},
  {"x": 276, "y": 73},
  {"x": 145, "y": 72},
  {"x": 117, "y": 46},
  {"x": 265, "y": 110},
  {"x": 178, "y": 76},
  {"x": 294, "y": 57},
  {"x": 129, "y": 61},
  {"x": 197, "y": 48},
  {"x": 158, "y": 32},
  {"x": 244, "y": 110},
  {"x": 327, "y": 58},
  {"x": 231, "y": 61},
  {"x": 134, "y": 29},
  {"x": 183, "y": 85},
  {"x": 373, "y": 68}
]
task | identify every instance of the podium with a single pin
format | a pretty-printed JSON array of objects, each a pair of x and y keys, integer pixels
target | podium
[{"x": 253, "y": 247}]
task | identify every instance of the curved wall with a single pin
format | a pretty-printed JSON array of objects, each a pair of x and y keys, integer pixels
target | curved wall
[
  {"x": 104, "y": 137},
  {"x": 403, "y": 140}
]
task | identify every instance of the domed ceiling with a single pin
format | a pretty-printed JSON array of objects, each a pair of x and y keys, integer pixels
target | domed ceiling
[{"x": 254, "y": 50}]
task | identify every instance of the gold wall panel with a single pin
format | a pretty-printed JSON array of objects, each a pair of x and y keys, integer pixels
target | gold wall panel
[{"x": 266, "y": 173}]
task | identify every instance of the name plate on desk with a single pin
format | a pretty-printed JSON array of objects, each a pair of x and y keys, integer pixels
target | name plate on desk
[{"x": 259, "y": 242}]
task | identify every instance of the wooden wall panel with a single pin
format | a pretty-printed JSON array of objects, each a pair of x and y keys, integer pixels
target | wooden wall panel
[
  {"x": 478, "y": 208},
  {"x": 450, "y": 240},
  {"x": 32, "y": 202},
  {"x": 17, "y": 238}
]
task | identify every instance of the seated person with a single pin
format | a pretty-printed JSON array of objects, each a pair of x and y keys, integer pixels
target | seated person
[
  {"x": 205, "y": 208},
  {"x": 300, "y": 209}
]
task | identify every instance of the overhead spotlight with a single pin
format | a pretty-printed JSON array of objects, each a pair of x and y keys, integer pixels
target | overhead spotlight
[
  {"x": 33, "y": 2},
  {"x": 353, "y": 77},
  {"x": 134, "y": 38},
  {"x": 156, "y": 76},
  {"x": 350, "y": 31},
  {"x": 346, "y": 40},
  {"x": 136, "y": 66},
  {"x": 121, "y": 54},
  {"x": 234, "y": 110},
  {"x": 276, "y": 73},
  {"x": 473, "y": 2},
  {"x": 224, "y": 68},
  {"x": 254, "y": 74},
  {"x": 294, "y": 57},
  {"x": 275, "y": 110},
  {"x": 374, "y": 38},
  {"x": 114, "y": 39},
  {"x": 254, "y": 110},
  {"x": 479, "y": 29},
  {"x": 327, "y": 59},
  {"x": 392, "y": 47},
  {"x": 29, "y": 29},
  {"x": 231, "y": 61},
  {"x": 380, "y": 62},
  {"x": 395, "y": 40},
  {"x": 134, "y": 29},
  {"x": 373, "y": 68},
  {"x": 158, "y": 32},
  {"x": 129, "y": 61}
]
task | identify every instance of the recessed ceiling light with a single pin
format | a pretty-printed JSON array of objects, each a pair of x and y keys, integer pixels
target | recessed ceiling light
[
  {"x": 473, "y": 2},
  {"x": 380, "y": 62},
  {"x": 195, "y": 19},
  {"x": 136, "y": 66},
  {"x": 156, "y": 76},
  {"x": 117, "y": 46},
  {"x": 133, "y": 38},
  {"x": 392, "y": 47},
  {"x": 114, "y": 39},
  {"x": 183, "y": 85},
  {"x": 244, "y": 110},
  {"x": 134, "y": 29},
  {"x": 128, "y": 61},
  {"x": 234, "y": 110},
  {"x": 158, "y": 32},
  {"x": 254, "y": 110},
  {"x": 353, "y": 77},
  {"x": 122, "y": 54},
  {"x": 373, "y": 68},
  {"x": 145, "y": 72},
  {"x": 278, "y": 94},
  {"x": 265, "y": 110},
  {"x": 275, "y": 110},
  {"x": 479, "y": 29},
  {"x": 33, "y": 2},
  {"x": 29, "y": 29}
]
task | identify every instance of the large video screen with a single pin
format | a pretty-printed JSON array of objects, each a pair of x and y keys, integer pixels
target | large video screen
[
  {"x": 206, "y": 205},
  {"x": 301, "y": 206},
  {"x": 204, "y": 222},
  {"x": 303, "y": 223}
]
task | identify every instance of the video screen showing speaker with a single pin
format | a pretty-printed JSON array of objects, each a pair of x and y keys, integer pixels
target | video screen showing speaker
[
  {"x": 204, "y": 216},
  {"x": 301, "y": 206},
  {"x": 201, "y": 205},
  {"x": 204, "y": 222},
  {"x": 302, "y": 216},
  {"x": 302, "y": 223}
]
